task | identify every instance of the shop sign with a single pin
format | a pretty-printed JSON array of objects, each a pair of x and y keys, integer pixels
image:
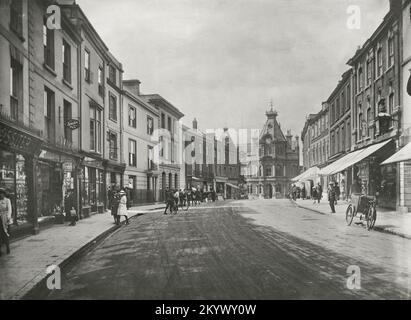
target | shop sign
[
  {"x": 72, "y": 124},
  {"x": 14, "y": 139},
  {"x": 68, "y": 166}
]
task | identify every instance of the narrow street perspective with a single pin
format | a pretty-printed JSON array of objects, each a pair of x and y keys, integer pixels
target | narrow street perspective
[
  {"x": 267, "y": 249},
  {"x": 205, "y": 150}
]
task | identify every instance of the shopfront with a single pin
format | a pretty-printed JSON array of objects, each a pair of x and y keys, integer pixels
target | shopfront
[
  {"x": 56, "y": 176},
  {"x": 14, "y": 180},
  {"x": 114, "y": 174},
  {"x": 18, "y": 153},
  {"x": 92, "y": 187},
  {"x": 361, "y": 169}
]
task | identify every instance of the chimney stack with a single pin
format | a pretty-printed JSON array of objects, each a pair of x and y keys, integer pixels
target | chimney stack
[
  {"x": 195, "y": 124},
  {"x": 133, "y": 86},
  {"x": 395, "y": 5}
]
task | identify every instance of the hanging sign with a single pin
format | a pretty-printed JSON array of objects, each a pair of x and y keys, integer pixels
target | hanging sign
[{"x": 72, "y": 124}]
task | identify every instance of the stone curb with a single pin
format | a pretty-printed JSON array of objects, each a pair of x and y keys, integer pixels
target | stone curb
[
  {"x": 376, "y": 228},
  {"x": 40, "y": 279}
]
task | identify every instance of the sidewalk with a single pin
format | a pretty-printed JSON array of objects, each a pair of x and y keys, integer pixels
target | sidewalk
[
  {"x": 387, "y": 221},
  {"x": 26, "y": 266}
]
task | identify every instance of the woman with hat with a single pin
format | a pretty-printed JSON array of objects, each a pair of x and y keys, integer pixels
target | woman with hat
[
  {"x": 122, "y": 207},
  {"x": 5, "y": 220}
]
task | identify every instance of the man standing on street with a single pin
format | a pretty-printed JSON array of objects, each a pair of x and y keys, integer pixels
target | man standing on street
[
  {"x": 169, "y": 200},
  {"x": 331, "y": 197}
]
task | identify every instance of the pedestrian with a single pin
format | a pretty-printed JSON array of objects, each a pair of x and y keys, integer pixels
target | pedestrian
[
  {"x": 319, "y": 192},
  {"x": 122, "y": 207},
  {"x": 213, "y": 195},
  {"x": 69, "y": 207},
  {"x": 303, "y": 193},
  {"x": 294, "y": 192},
  {"x": 168, "y": 200},
  {"x": 337, "y": 192},
  {"x": 181, "y": 196},
  {"x": 109, "y": 195},
  {"x": 5, "y": 220},
  {"x": 115, "y": 201},
  {"x": 314, "y": 193},
  {"x": 331, "y": 197}
]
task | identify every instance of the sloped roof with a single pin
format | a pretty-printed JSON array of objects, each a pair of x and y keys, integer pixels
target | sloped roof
[{"x": 272, "y": 128}]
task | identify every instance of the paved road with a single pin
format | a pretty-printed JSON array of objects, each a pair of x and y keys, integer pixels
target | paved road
[{"x": 263, "y": 249}]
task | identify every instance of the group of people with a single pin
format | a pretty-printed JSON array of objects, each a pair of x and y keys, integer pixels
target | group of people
[
  {"x": 179, "y": 198},
  {"x": 119, "y": 205},
  {"x": 301, "y": 193},
  {"x": 334, "y": 193}
]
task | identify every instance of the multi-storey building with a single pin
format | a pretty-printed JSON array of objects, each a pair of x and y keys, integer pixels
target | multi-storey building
[
  {"x": 403, "y": 157},
  {"x": 21, "y": 120},
  {"x": 114, "y": 162},
  {"x": 140, "y": 139},
  {"x": 198, "y": 155},
  {"x": 377, "y": 69},
  {"x": 100, "y": 76},
  {"x": 405, "y": 166},
  {"x": 278, "y": 161},
  {"x": 211, "y": 160},
  {"x": 339, "y": 103},
  {"x": 315, "y": 139},
  {"x": 170, "y": 140},
  {"x": 316, "y": 146}
]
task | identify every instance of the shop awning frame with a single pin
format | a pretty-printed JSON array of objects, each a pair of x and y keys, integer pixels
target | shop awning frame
[
  {"x": 338, "y": 163},
  {"x": 402, "y": 155},
  {"x": 309, "y": 174},
  {"x": 232, "y": 186},
  {"x": 352, "y": 158}
]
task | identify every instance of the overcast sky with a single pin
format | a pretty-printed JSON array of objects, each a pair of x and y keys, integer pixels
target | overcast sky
[{"x": 222, "y": 61}]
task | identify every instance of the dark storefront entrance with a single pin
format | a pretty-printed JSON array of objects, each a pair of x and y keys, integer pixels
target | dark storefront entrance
[{"x": 19, "y": 148}]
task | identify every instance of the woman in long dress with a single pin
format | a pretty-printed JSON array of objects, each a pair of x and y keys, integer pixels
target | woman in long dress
[
  {"x": 122, "y": 207},
  {"x": 5, "y": 220}
]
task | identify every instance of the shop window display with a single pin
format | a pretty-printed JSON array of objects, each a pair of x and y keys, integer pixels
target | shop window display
[
  {"x": 48, "y": 180},
  {"x": 13, "y": 180}
]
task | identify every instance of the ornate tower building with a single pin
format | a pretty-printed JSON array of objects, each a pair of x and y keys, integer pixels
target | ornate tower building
[{"x": 278, "y": 160}]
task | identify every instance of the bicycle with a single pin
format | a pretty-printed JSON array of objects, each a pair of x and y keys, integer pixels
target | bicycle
[{"x": 366, "y": 206}]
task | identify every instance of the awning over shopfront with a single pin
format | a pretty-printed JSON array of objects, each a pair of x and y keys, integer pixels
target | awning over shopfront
[
  {"x": 232, "y": 186},
  {"x": 352, "y": 158},
  {"x": 310, "y": 174},
  {"x": 403, "y": 155},
  {"x": 328, "y": 170}
]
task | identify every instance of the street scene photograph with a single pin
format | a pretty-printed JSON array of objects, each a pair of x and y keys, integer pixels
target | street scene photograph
[{"x": 205, "y": 155}]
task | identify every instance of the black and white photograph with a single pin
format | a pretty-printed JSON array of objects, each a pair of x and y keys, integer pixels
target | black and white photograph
[{"x": 205, "y": 155}]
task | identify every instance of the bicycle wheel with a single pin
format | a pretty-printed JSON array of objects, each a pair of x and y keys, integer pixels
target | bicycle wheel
[
  {"x": 371, "y": 217},
  {"x": 349, "y": 215}
]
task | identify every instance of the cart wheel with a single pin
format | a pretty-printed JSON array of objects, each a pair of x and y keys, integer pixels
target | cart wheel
[
  {"x": 371, "y": 217},
  {"x": 349, "y": 215}
]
